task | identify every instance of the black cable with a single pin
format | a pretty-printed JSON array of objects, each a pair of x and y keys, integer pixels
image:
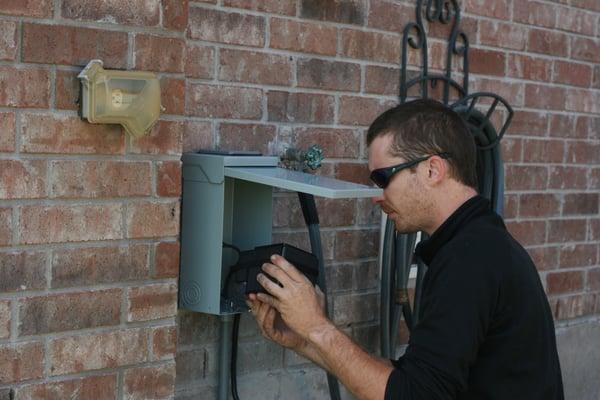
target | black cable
[{"x": 234, "y": 347}]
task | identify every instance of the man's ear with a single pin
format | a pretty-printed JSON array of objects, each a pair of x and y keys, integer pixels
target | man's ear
[{"x": 437, "y": 170}]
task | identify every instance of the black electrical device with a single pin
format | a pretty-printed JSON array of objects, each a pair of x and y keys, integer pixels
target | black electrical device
[{"x": 241, "y": 279}]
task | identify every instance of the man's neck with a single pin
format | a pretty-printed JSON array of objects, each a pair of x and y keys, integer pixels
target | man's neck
[{"x": 446, "y": 203}]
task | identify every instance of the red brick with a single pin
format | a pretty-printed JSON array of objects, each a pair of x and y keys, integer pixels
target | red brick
[
  {"x": 545, "y": 97},
  {"x": 583, "y": 100},
  {"x": 166, "y": 137},
  {"x": 498, "y": 9},
  {"x": 5, "y": 319},
  {"x": 168, "y": 179},
  {"x": 529, "y": 123},
  {"x": 97, "y": 351},
  {"x": 175, "y": 14},
  {"x": 501, "y": 34},
  {"x": 564, "y": 282},
  {"x": 67, "y": 90},
  {"x": 567, "y": 230},
  {"x": 371, "y": 46},
  {"x": 511, "y": 206},
  {"x": 100, "y": 179},
  {"x": 300, "y": 107},
  {"x": 526, "y": 177},
  {"x": 46, "y": 44},
  {"x": 164, "y": 342},
  {"x": 72, "y": 223},
  {"x": 199, "y": 61},
  {"x": 569, "y": 126},
  {"x": 303, "y": 37},
  {"x": 5, "y": 226},
  {"x": 7, "y": 131},
  {"x": 22, "y": 179},
  {"x": 171, "y": 50},
  {"x": 539, "y": 205},
  {"x": 573, "y": 20},
  {"x": 166, "y": 263},
  {"x": 328, "y": 75},
  {"x": 346, "y": 12},
  {"x": 148, "y": 219},
  {"x": 99, "y": 265},
  {"x": 596, "y": 82},
  {"x": 531, "y": 68},
  {"x": 223, "y": 27},
  {"x": 55, "y": 133},
  {"x": 223, "y": 101},
  {"x": 254, "y": 67},
  {"x": 355, "y": 308},
  {"x": 594, "y": 182},
  {"x": 336, "y": 143},
  {"x": 593, "y": 279},
  {"x": 28, "y": 8},
  {"x": 391, "y": 17},
  {"x": 287, "y": 7},
  {"x": 247, "y": 137},
  {"x": 173, "y": 95},
  {"x": 487, "y": 62},
  {"x": 574, "y": 306},
  {"x": 152, "y": 302},
  {"x": 20, "y": 87},
  {"x": 562, "y": 177},
  {"x": 22, "y": 270},
  {"x": 287, "y": 214},
  {"x": 353, "y": 172},
  {"x": 362, "y": 110},
  {"x": 157, "y": 382},
  {"x": 585, "y": 49},
  {"x": 545, "y": 258},
  {"x": 21, "y": 362},
  {"x": 580, "y": 255},
  {"x": 511, "y": 92},
  {"x": 97, "y": 387},
  {"x": 534, "y": 13},
  {"x": 543, "y": 151},
  {"x": 72, "y": 311},
  {"x": 336, "y": 212},
  {"x": 548, "y": 42},
  {"x": 581, "y": 204},
  {"x": 583, "y": 152},
  {"x": 197, "y": 135},
  {"x": 8, "y": 40},
  {"x": 135, "y": 12},
  {"x": 587, "y": 4},
  {"x": 382, "y": 80},
  {"x": 528, "y": 233}
]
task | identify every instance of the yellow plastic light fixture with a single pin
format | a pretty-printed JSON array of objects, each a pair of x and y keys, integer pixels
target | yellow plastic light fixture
[{"x": 129, "y": 98}]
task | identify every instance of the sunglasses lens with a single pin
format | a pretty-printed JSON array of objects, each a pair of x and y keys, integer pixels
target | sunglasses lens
[{"x": 379, "y": 178}]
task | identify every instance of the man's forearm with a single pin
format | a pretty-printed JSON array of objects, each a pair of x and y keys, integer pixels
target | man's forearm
[{"x": 364, "y": 375}]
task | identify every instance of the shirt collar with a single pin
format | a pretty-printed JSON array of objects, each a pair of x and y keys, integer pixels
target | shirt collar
[{"x": 469, "y": 210}]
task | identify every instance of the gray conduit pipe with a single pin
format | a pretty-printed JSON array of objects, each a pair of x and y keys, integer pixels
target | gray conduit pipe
[{"x": 226, "y": 322}]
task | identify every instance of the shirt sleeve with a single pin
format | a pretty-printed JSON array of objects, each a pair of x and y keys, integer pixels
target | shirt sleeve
[{"x": 459, "y": 297}]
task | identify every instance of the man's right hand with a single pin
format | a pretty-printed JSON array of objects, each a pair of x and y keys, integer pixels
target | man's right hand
[{"x": 272, "y": 326}]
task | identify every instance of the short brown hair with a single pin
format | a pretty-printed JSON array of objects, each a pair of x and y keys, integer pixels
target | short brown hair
[{"x": 423, "y": 127}]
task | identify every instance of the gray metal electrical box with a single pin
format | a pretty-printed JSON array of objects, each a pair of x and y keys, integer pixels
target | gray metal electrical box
[{"x": 228, "y": 198}]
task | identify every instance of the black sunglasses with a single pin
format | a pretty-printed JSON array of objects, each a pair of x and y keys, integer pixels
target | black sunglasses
[{"x": 381, "y": 176}]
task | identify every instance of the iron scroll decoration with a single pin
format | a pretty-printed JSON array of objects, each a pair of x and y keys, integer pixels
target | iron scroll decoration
[{"x": 414, "y": 35}]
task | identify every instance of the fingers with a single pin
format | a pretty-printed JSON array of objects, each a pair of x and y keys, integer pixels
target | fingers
[
  {"x": 277, "y": 273},
  {"x": 271, "y": 287},
  {"x": 289, "y": 269},
  {"x": 270, "y": 300}
]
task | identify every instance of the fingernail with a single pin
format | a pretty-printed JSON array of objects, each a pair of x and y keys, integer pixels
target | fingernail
[{"x": 273, "y": 256}]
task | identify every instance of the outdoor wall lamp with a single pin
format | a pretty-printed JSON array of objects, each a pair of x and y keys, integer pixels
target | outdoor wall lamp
[{"x": 129, "y": 98}]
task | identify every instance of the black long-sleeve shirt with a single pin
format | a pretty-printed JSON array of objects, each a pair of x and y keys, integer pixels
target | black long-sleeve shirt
[{"x": 485, "y": 329}]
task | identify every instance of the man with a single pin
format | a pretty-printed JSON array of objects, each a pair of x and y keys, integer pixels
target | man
[{"x": 485, "y": 329}]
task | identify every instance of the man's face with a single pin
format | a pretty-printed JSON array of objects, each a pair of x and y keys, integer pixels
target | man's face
[{"x": 402, "y": 199}]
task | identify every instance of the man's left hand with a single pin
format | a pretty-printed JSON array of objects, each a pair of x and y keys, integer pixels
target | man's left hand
[{"x": 300, "y": 305}]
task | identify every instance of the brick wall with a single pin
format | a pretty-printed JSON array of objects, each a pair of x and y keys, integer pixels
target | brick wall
[{"x": 89, "y": 218}]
